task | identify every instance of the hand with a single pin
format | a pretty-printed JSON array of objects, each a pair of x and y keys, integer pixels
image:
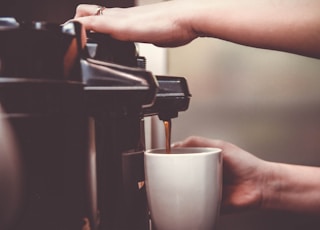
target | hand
[
  {"x": 293, "y": 26},
  {"x": 243, "y": 174},
  {"x": 163, "y": 24}
]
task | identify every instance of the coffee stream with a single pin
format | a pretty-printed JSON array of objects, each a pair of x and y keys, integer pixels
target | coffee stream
[{"x": 167, "y": 126}]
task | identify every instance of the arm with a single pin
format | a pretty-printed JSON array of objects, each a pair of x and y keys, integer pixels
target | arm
[
  {"x": 286, "y": 25},
  {"x": 293, "y": 187},
  {"x": 252, "y": 183}
]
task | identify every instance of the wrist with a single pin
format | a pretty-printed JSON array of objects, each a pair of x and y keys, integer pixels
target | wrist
[
  {"x": 271, "y": 186},
  {"x": 291, "y": 188}
]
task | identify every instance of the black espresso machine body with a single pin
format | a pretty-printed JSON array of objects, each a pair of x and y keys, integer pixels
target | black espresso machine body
[
  {"x": 120, "y": 93},
  {"x": 116, "y": 95},
  {"x": 76, "y": 109},
  {"x": 43, "y": 101}
]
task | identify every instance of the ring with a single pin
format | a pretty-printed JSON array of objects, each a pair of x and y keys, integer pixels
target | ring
[{"x": 100, "y": 10}]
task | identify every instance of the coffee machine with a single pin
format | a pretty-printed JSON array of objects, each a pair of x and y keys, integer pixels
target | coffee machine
[
  {"x": 75, "y": 102},
  {"x": 42, "y": 96}
]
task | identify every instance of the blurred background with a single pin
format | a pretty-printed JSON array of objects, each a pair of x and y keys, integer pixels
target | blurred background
[{"x": 266, "y": 102}]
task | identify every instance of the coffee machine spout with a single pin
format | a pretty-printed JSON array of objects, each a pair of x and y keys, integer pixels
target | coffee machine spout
[{"x": 173, "y": 96}]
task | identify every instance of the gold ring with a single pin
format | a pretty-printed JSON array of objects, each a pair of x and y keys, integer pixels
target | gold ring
[{"x": 100, "y": 10}]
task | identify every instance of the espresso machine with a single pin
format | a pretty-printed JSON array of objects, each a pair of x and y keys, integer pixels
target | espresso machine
[
  {"x": 75, "y": 103},
  {"x": 43, "y": 101}
]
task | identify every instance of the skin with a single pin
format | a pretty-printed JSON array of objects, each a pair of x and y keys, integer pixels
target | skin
[
  {"x": 252, "y": 183},
  {"x": 285, "y": 25}
]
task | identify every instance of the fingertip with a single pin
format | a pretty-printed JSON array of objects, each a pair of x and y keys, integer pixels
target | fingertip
[{"x": 176, "y": 144}]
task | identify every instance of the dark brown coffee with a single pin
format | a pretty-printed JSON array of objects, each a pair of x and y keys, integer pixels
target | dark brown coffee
[{"x": 167, "y": 126}]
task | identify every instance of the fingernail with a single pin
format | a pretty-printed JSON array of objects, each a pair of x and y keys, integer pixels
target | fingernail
[{"x": 175, "y": 145}]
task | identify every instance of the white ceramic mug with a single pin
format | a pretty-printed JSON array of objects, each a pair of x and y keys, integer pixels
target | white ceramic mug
[{"x": 184, "y": 188}]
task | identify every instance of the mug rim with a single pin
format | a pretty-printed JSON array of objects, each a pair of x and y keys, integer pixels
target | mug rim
[{"x": 189, "y": 151}]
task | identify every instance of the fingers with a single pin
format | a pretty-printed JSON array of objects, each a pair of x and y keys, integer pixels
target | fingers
[
  {"x": 148, "y": 23},
  {"x": 88, "y": 10},
  {"x": 195, "y": 141},
  {"x": 89, "y": 22},
  {"x": 90, "y": 16},
  {"x": 100, "y": 19}
]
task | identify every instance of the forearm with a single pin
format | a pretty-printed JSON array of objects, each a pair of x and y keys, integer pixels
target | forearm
[
  {"x": 292, "y": 188},
  {"x": 286, "y": 25}
]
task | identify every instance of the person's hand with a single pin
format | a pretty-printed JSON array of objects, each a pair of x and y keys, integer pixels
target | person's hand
[
  {"x": 163, "y": 24},
  {"x": 243, "y": 174},
  {"x": 292, "y": 27}
]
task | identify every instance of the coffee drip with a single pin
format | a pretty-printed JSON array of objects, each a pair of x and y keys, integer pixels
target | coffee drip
[
  {"x": 172, "y": 97},
  {"x": 167, "y": 127}
]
